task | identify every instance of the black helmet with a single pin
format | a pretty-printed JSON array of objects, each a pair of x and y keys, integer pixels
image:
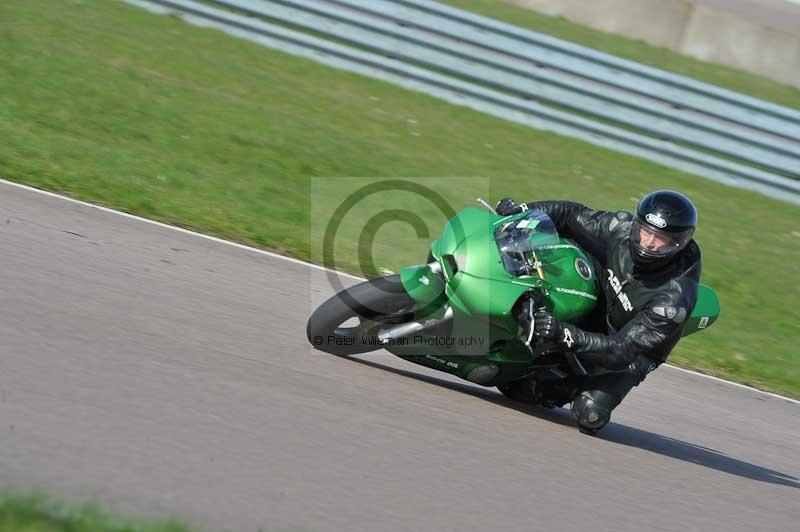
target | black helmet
[{"x": 664, "y": 224}]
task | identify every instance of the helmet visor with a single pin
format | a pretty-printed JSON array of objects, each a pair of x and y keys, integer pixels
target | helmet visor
[{"x": 654, "y": 242}]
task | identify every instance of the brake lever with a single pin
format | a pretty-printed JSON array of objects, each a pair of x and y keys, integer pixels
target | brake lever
[
  {"x": 537, "y": 300},
  {"x": 532, "y": 319}
]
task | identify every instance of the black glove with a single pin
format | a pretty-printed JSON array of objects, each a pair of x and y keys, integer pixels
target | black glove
[
  {"x": 507, "y": 206},
  {"x": 549, "y": 328}
]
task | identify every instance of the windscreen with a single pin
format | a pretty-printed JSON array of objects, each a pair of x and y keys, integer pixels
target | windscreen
[{"x": 518, "y": 239}]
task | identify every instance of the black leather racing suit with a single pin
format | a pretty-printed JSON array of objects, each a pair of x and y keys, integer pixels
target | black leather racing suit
[{"x": 644, "y": 311}]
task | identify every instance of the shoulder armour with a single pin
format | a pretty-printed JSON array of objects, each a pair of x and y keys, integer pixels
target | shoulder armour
[
  {"x": 669, "y": 303},
  {"x": 676, "y": 314},
  {"x": 621, "y": 216}
]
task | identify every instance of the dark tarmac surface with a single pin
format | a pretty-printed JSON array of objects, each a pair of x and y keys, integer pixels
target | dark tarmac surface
[{"x": 165, "y": 374}]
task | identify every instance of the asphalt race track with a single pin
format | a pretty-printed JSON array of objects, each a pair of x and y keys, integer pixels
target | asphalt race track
[{"x": 166, "y": 374}]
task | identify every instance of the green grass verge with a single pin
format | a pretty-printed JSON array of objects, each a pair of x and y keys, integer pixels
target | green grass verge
[
  {"x": 40, "y": 514},
  {"x": 634, "y": 50},
  {"x": 146, "y": 114}
]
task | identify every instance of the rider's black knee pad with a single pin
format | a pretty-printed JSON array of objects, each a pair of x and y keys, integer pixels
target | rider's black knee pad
[{"x": 592, "y": 409}]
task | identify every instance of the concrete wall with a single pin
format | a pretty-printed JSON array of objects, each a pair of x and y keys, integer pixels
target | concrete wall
[
  {"x": 724, "y": 38},
  {"x": 688, "y": 27}
]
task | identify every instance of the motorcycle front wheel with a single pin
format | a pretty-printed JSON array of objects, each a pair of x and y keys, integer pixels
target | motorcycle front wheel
[{"x": 348, "y": 323}]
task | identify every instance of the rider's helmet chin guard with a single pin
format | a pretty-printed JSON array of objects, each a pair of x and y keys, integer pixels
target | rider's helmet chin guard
[{"x": 664, "y": 224}]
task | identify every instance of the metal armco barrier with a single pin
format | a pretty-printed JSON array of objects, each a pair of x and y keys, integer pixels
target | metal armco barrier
[{"x": 529, "y": 78}]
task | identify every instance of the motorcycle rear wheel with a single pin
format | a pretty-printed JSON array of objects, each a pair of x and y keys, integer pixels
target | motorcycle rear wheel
[{"x": 373, "y": 304}]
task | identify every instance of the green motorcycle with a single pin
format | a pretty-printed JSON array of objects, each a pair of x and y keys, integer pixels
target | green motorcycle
[{"x": 458, "y": 313}]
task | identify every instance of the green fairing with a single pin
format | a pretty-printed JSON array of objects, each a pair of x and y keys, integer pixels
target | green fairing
[
  {"x": 482, "y": 293},
  {"x": 426, "y": 288},
  {"x": 487, "y": 287}
]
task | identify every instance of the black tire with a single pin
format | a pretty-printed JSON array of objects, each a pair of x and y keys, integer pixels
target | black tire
[{"x": 373, "y": 303}]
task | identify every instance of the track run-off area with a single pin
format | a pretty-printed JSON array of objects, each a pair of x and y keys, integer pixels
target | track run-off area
[{"x": 165, "y": 374}]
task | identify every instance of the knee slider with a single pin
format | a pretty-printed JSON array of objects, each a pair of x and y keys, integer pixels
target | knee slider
[{"x": 592, "y": 409}]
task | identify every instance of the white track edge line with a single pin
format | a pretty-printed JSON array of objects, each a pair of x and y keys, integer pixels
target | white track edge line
[
  {"x": 738, "y": 385},
  {"x": 310, "y": 265},
  {"x": 179, "y": 229}
]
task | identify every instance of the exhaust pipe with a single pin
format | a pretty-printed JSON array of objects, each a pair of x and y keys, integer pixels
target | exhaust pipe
[{"x": 407, "y": 329}]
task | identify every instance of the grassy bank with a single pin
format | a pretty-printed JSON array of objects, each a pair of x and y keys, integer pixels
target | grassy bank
[
  {"x": 111, "y": 104},
  {"x": 39, "y": 514},
  {"x": 635, "y": 50}
]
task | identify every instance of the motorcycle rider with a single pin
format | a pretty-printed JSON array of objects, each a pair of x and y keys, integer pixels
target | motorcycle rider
[{"x": 648, "y": 268}]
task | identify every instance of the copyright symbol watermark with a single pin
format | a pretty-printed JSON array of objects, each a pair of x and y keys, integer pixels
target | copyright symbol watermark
[
  {"x": 391, "y": 207},
  {"x": 372, "y": 228}
]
